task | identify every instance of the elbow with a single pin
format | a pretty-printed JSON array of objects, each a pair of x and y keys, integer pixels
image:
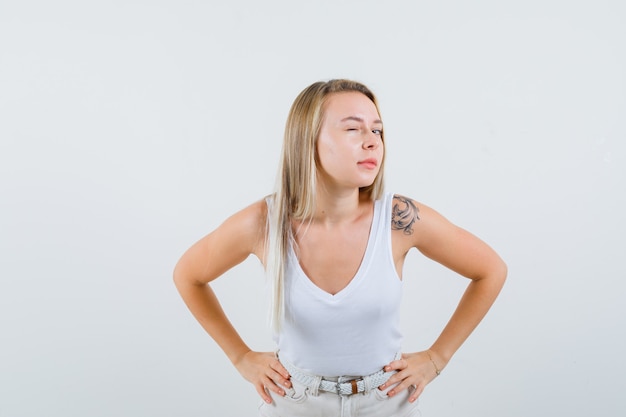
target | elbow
[
  {"x": 183, "y": 278},
  {"x": 500, "y": 273},
  {"x": 504, "y": 270},
  {"x": 494, "y": 275},
  {"x": 177, "y": 276}
]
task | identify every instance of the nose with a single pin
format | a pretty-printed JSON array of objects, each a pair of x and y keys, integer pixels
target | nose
[{"x": 371, "y": 141}]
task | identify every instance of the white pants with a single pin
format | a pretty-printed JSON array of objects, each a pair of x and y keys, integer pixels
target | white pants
[{"x": 307, "y": 401}]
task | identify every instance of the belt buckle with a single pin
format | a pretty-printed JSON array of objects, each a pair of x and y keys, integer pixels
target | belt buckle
[{"x": 338, "y": 388}]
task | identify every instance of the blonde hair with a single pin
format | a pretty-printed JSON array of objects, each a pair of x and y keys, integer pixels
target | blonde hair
[{"x": 294, "y": 198}]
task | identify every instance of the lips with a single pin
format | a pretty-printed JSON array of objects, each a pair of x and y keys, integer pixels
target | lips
[{"x": 369, "y": 163}]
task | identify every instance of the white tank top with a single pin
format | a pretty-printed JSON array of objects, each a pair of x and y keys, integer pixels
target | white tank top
[{"x": 356, "y": 331}]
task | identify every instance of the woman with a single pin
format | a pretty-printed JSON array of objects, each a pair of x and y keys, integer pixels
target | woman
[{"x": 333, "y": 244}]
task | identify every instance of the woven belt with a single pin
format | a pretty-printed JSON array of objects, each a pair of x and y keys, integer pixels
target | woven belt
[{"x": 353, "y": 386}]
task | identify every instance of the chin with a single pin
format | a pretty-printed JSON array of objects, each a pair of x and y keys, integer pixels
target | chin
[{"x": 365, "y": 184}]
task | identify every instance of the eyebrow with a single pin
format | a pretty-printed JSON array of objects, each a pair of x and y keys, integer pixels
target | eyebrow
[{"x": 360, "y": 119}]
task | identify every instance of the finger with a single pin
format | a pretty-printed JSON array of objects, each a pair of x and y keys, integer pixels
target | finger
[
  {"x": 283, "y": 371},
  {"x": 416, "y": 391},
  {"x": 398, "y": 388},
  {"x": 272, "y": 386},
  {"x": 393, "y": 380},
  {"x": 402, "y": 381},
  {"x": 396, "y": 365},
  {"x": 278, "y": 367},
  {"x": 264, "y": 395},
  {"x": 278, "y": 378},
  {"x": 279, "y": 374}
]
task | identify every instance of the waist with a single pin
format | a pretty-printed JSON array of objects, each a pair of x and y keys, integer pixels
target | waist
[
  {"x": 355, "y": 358},
  {"x": 340, "y": 385}
]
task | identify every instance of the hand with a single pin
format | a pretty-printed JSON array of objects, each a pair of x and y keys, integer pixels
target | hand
[
  {"x": 264, "y": 371},
  {"x": 413, "y": 370}
]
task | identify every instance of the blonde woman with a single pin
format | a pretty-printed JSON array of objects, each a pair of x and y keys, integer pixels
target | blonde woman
[{"x": 333, "y": 244}]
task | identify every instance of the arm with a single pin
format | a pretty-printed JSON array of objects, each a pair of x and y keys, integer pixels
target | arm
[
  {"x": 472, "y": 258},
  {"x": 231, "y": 243}
]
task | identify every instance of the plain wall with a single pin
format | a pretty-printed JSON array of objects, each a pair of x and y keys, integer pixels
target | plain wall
[{"x": 129, "y": 129}]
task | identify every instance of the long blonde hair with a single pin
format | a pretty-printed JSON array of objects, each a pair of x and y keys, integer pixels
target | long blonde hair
[{"x": 294, "y": 198}]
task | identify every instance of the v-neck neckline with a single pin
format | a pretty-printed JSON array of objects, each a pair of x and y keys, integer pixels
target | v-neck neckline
[{"x": 361, "y": 270}]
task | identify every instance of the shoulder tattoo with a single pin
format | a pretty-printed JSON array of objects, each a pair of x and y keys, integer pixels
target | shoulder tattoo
[{"x": 403, "y": 214}]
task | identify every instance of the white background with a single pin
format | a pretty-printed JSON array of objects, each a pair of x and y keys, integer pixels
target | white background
[{"x": 129, "y": 129}]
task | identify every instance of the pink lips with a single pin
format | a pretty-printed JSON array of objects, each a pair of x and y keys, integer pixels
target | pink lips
[{"x": 369, "y": 163}]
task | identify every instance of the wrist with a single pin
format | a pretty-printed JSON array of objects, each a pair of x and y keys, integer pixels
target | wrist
[
  {"x": 438, "y": 357},
  {"x": 430, "y": 356},
  {"x": 441, "y": 355},
  {"x": 236, "y": 358}
]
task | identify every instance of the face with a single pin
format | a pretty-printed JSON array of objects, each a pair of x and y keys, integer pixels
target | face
[{"x": 349, "y": 146}]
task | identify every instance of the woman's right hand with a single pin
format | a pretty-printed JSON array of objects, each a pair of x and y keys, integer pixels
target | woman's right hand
[{"x": 265, "y": 372}]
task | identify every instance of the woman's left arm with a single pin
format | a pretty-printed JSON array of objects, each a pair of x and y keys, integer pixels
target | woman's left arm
[{"x": 464, "y": 253}]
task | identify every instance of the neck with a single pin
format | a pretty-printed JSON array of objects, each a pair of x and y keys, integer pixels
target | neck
[{"x": 332, "y": 207}]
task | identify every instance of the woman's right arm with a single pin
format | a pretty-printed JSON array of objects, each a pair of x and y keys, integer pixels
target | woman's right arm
[{"x": 230, "y": 244}]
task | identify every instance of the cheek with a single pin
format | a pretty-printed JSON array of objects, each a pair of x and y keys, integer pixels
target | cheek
[
  {"x": 327, "y": 161},
  {"x": 326, "y": 151}
]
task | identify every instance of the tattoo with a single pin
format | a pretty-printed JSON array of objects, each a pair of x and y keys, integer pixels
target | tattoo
[{"x": 403, "y": 214}]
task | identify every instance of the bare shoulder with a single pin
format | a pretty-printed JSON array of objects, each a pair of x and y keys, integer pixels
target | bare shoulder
[
  {"x": 247, "y": 226},
  {"x": 416, "y": 221},
  {"x": 254, "y": 214},
  {"x": 404, "y": 214}
]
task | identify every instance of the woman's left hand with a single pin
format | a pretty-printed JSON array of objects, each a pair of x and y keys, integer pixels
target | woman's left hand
[{"x": 413, "y": 370}]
